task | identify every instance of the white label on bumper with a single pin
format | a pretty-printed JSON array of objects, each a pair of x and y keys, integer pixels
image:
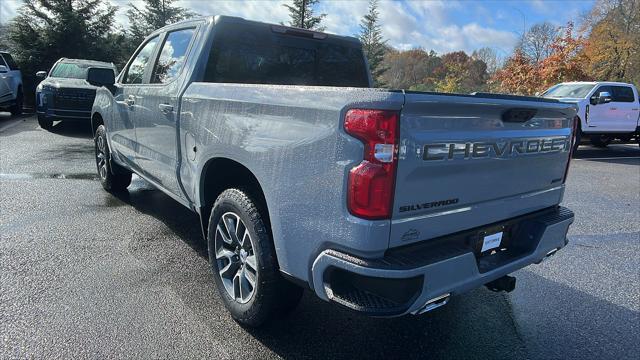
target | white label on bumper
[{"x": 491, "y": 241}]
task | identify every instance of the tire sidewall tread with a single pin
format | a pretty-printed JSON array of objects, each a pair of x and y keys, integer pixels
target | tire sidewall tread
[
  {"x": 272, "y": 292},
  {"x": 118, "y": 179}
]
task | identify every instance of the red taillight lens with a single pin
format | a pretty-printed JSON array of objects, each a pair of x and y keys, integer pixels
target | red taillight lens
[
  {"x": 574, "y": 137},
  {"x": 370, "y": 188}
]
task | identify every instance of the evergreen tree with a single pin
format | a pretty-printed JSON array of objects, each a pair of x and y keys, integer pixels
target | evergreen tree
[
  {"x": 301, "y": 13},
  {"x": 154, "y": 15},
  {"x": 373, "y": 43}
]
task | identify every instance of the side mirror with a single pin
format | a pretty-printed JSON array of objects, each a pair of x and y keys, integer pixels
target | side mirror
[
  {"x": 101, "y": 77},
  {"x": 604, "y": 97},
  {"x": 538, "y": 93},
  {"x": 41, "y": 74},
  {"x": 3, "y": 69}
]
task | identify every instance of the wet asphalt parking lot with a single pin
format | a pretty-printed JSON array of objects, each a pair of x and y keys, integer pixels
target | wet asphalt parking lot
[{"x": 85, "y": 274}]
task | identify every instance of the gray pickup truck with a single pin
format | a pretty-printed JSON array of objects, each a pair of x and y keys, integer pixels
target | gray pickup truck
[{"x": 386, "y": 202}]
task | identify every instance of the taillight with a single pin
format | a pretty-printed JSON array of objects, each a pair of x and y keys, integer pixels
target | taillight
[
  {"x": 574, "y": 137},
  {"x": 371, "y": 183}
]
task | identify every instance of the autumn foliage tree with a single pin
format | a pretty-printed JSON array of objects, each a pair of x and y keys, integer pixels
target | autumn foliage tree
[
  {"x": 566, "y": 61},
  {"x": 523, "y": 75},
  {"x": 461, "y": 73},
  {"x": 613, "y": 48},
  {"x": 519, "y": 75}
]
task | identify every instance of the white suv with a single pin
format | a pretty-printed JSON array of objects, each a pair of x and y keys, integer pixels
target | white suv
[
  {"x": 607, "y": 110},
  {"x": 11, "y": 94}
]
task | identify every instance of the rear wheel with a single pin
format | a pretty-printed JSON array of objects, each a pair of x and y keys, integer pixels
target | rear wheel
[
  {"x": 601, "y": 141},
  {"x": 17, "y": 108},
  {"x": 243, "y": 261},
  {"x": 45, "y": 123},
  {"x": 113, "y": 177}
]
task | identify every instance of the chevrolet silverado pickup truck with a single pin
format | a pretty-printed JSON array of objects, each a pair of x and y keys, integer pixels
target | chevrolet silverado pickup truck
[
  {"x": 64, "y": 94},
  {"x": 607, "y": 110},
  {"x": 386, "y": 202}
]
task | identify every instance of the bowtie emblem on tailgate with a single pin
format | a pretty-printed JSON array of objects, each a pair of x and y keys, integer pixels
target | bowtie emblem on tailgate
[{"x": 493, "y": 149}]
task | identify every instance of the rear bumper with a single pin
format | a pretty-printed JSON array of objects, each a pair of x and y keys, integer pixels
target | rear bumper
[{"x": 407, "y": 278}]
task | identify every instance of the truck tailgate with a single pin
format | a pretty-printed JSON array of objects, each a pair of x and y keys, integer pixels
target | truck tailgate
[{"x": 468, "y": 161}]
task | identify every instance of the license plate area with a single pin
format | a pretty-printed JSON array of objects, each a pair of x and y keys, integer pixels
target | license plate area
[{"x": 492, "y": 240}]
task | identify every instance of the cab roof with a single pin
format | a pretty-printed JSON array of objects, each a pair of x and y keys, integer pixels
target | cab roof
[
  {"x": 92, "y": 63},
  {"x": 221, "y": 19},
  {"x": 596, "y": 83}
]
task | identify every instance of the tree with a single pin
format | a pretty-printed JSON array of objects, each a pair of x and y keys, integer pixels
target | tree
[
  {"x": 411, "y": 69},
  {"x": 154, "y": 15},
  {"x": 489, "y": 57},
  {"x": 519, "y": 75},
  {"x": 566, "y": 60},
  {"x": 536, "y": 43},
  {"x": 4, "y": 37},
  {"x": 613, "y": 48},
  {"x": 373, "y": 44},
  {"x": 301, "y": 14},
  {"x": 460, "y": 73},
  {"x": 523, "y": 75}
]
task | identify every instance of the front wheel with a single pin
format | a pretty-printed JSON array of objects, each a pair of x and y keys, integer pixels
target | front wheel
[
  {"x": 601, "y": 141},
  {"x": 113, "y": 177},
  {"x": 243, "y": 261},
  {"x": 578, "y": 138},
  {"x": 45, "y": 123}
]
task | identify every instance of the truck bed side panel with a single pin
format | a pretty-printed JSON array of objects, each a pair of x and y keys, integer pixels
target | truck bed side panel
[{"x": 291, "y": 139}]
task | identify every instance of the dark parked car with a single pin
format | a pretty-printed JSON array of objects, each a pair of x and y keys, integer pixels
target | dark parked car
[{"x": 65, "y": 94}]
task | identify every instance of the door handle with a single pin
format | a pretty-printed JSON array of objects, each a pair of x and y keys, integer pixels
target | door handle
[
  {"x": 165, "y": 108},
  {"x": 130, "y": 100},
  {"x": 613, "y": 108}
]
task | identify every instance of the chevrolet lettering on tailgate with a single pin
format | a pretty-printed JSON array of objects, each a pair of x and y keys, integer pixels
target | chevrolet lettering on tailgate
[{"x": 490, "y": 149}]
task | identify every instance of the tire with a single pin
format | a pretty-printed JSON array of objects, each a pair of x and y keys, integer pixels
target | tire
[
  {"x": 243, "y": 261},
  {"x": 113, "y": 177},
  {"x": 577, "y": 141},
  {"x": 45, "y": 123},
  {"x": 17, "y": 108},
  {"x": 600, "y": 141}
]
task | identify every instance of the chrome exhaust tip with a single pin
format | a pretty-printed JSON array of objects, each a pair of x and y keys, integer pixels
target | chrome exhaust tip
[
  {"x": 432, "y": 304},
  {"x": 550, "y": 253}
]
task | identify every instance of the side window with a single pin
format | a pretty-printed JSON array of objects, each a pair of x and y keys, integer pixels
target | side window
[
  {"x": 622, "y": 94},
  {"x": 602, "y": 89},
  {"x": 172, "y": 56},
  {"x": 135, "y": 73},
  {"x": 10, "y": 62}
]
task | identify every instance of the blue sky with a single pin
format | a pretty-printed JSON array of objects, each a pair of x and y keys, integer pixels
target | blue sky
[{"x": 442, "y": 26}]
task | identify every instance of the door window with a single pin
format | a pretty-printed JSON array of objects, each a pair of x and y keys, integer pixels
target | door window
[
  {"x": 622, "y": 94},
  {"x": 172, "y": 56},
  {"x": 135, "y": 73},
  {"x": 602, "y": 89},
  {"x": 10, "y": 62}
]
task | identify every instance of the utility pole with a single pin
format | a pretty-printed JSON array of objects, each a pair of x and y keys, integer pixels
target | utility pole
[{"x": 304, "y": 6}]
